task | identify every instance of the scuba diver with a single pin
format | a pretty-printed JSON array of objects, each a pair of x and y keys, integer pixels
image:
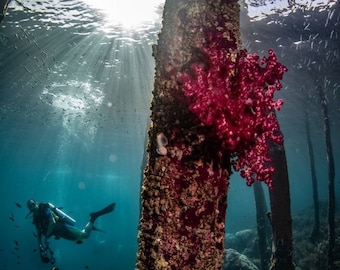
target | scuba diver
[{"x": 50, "y": 220}]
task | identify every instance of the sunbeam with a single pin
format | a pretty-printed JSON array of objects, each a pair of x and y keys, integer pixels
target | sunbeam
[{"x": 130, "y": 14}]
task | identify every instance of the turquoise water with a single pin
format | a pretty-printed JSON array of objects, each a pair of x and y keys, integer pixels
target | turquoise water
[{"x": 75, "y": 94}]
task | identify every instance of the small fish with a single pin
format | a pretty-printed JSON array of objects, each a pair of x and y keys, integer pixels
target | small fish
[
  {"x": 11, "y": 217},
  {"x": 27, "y": 69},
  {"x": 34, "y": 250},
  {"x": 34, "y": 234},
  {"x": 18, "y": 205},
  {"x": 16, "y": 242}
]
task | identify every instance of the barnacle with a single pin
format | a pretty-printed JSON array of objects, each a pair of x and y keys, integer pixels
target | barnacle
[{"x": 162, "y": 141}]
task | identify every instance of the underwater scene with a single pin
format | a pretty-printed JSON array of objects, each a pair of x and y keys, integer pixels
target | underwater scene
[{"x": 133, "y": 134}]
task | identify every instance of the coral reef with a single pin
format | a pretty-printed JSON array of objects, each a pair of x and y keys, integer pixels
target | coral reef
[
  {"x": 307, "y": 254},
  {"x": 237, "y": 261},
  {"x": 312, "y": 255}
]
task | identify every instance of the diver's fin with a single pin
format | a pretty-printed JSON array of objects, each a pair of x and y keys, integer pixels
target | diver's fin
[
  {"x": 106, "y": 210},
  {"x": 96, "y": 229}
]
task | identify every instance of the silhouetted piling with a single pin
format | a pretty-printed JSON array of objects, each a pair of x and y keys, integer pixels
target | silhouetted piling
[
  {"x": 262, "y": 224},
  {"x": 331, "y": 177},
  {"x": 282, "y": 250},
  {"x": 316, "y": 228}
]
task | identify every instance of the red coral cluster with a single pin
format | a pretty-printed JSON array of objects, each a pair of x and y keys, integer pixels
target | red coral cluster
[{"x": 236, "y": 100}]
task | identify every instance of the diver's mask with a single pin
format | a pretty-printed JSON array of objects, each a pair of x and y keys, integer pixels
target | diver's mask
[{"x": 31, "y": 205}]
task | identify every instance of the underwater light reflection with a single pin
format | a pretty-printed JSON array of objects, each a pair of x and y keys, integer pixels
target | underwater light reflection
[
  {"x": 261, "y": 10},
  {"x": 74, "y": 100},
  {"x": 130, "y": 15},
  {"x": 131, "y": 18}
]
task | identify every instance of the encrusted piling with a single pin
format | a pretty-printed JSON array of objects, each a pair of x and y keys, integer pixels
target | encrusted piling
[
  {"x": 184, "y": 193},
  {"x": 212, "y": 109}
]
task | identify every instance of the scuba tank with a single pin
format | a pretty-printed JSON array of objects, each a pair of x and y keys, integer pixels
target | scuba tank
[{"x": 62, "y": 216}]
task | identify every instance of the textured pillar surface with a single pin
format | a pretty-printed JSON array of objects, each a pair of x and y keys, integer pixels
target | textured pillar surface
[{"x": 184, "y": 192}]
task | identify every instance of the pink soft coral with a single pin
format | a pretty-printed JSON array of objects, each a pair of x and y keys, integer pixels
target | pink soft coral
[{"x": 235, "y": 99}]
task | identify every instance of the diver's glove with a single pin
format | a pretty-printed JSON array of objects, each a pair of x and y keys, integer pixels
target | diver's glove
[
  {"x": 41, "y": 248},
  {"x": 43, "y": 255}
]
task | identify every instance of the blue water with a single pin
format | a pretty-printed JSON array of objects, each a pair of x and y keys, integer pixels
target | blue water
[{"x": 74, "y": 110}]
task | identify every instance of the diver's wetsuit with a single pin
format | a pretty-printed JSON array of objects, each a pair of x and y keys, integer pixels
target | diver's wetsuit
[{"x": 48, "y": 223}]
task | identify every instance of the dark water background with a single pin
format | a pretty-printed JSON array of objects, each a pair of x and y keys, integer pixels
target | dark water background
[{"x": 74, "y": 108}]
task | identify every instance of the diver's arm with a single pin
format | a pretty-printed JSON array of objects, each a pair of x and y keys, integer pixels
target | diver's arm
[
  {"x": 40, "y": 244},
  {"x": 51, "y": 223},
  {"x": 50, "y": 227},
  {"x": 44, "y": 248}
]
